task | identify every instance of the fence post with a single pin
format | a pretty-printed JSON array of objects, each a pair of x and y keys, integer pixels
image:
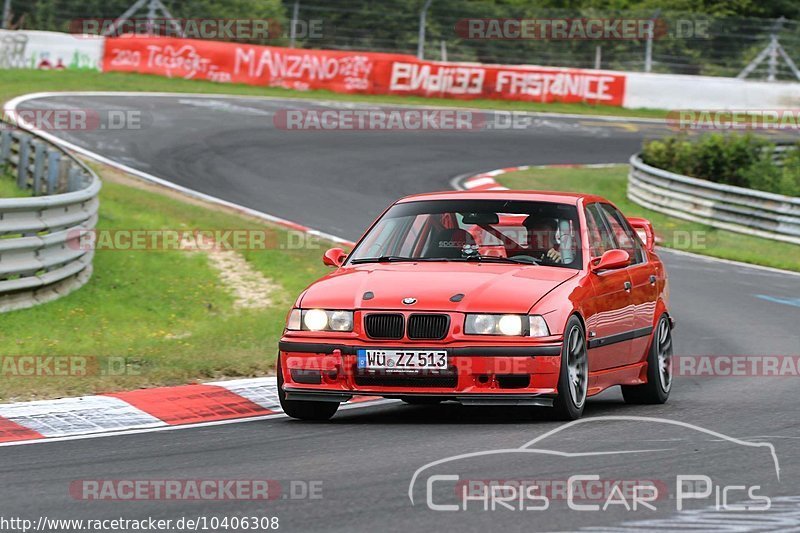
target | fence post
[
  {"x": 22, "y": 166},
  {"x": 6, "y": 14},
  {"x": 648, "y": 45},
  {"x": 53, "y": 160},
  {"x": 5, "y": 148},
  {"x": 421, "y": 39},
  {"x": 293, "y": 27},
  {"x": 63, "y": 174},
  {"x": 75, "y": 178},
  {"x": 40, "y": 151}
]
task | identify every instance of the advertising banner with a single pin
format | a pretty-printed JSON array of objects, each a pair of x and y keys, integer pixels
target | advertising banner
[
  {"x": 299, "y": 69},
  {"x": 499, "y": 82},
  {"x": 358, "y": 72}
]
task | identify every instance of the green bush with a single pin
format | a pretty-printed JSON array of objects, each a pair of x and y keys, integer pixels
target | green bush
[{"x": 741, "y": 160}]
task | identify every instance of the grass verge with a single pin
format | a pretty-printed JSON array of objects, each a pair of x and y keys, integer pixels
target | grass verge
[
  {"x": 16, "y": 82},
  {"x": 8, "y": 186},
  {"x": 675, "y": 233},
  {"x": 150, "y": 318}
]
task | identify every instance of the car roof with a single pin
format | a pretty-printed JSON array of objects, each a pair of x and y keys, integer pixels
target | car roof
[{"x": 529, "y": 196}]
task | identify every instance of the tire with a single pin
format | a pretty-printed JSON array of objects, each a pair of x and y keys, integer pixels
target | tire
[
  {"x": 659, "y": 369},
  {"x": 421, "y": 400},
  {"x": 304, "y": 410},
  {"x": 573, "y": 378}
]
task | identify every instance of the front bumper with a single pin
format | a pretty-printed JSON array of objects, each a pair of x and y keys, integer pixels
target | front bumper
[{"x": 326, "y": 370}]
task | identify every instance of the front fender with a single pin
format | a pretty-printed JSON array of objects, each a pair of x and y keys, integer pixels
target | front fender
[{"x": 562, "y": 302}]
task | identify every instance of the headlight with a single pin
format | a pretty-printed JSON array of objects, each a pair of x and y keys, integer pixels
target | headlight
[
  {"x": 340, "y": 320},
  {"x": 510, "y": 325},
  {"x": 481, "y": 324},
  {"x": 507, "y": 325},
  {"x": 315, "y": 319},
  {"x": 320, "y": 320}
]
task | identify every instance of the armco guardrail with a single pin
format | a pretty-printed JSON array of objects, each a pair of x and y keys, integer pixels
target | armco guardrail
[
  {"x": 764, "y": 214},
  {"x": 40, "y": 254}
]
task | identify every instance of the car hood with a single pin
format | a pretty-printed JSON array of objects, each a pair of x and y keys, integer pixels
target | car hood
[{"x": 488, "y": 288}]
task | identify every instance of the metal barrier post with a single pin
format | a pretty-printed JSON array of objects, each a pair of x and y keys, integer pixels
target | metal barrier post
[
  {"x": 75, "y": 179},
  {"x": 53, "y": 163},
  {"x": 22, "y": 165},
  {"x": 63, "y": 173},
  {"x": 40, "y": 151},
  {"x": 5, "y": 146}
]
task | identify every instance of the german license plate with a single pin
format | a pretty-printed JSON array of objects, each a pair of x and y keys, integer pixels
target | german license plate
[{"x": 399, "y": 360}]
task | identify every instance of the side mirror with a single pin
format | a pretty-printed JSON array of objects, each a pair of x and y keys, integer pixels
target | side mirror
[
  {"x": 334, "y": 257},
  {"x": 612, "y": 260},
  {"x": 645, "y": 230}
]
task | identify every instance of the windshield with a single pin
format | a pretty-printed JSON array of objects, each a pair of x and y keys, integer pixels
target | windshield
[{"x": 501, "y": 231}]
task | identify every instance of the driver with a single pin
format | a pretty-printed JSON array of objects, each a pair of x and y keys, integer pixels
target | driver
[{"x": 542, "y": 238}]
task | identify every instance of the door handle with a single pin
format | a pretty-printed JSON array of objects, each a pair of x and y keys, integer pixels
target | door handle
[
  {"x": 627, "y": 286},
  {"x": 652, "y": 279}
]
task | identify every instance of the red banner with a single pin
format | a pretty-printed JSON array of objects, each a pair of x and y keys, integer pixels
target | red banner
[
  {"x": 357, "y": 72},
  {"x": 241, "y": 63},
  {"x": 499, "y": 82}
]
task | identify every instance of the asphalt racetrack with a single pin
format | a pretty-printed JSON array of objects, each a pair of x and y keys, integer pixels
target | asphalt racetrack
[{"x": 366, "y": 458}]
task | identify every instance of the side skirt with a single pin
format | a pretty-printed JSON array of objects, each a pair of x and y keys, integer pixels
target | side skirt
[{"x": 623, "y": 375}]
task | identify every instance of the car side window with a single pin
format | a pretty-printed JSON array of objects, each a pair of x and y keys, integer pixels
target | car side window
[
  {"x": 600, "y": 238},
  {"x": 624, "y": 234}
]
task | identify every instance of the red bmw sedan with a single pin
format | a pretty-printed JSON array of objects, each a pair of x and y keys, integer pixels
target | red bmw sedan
[{"x": 484, "y": 298}]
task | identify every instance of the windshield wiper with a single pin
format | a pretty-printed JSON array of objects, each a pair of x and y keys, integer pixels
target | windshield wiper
[
  {"x": 382, "y": 259},
  {"x": 397, "y": 259},
  {"x": 480, "y": 258},
  {"x": 496, "y": 259}
]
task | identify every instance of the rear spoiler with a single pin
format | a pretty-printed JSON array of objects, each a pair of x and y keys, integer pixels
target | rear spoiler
[{"x": 645, "y": 230}]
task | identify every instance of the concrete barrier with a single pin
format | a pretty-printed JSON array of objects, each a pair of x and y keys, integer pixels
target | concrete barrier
[
  {"x": 49, "y": 50},
  {"x": 673, "y": 91}
]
